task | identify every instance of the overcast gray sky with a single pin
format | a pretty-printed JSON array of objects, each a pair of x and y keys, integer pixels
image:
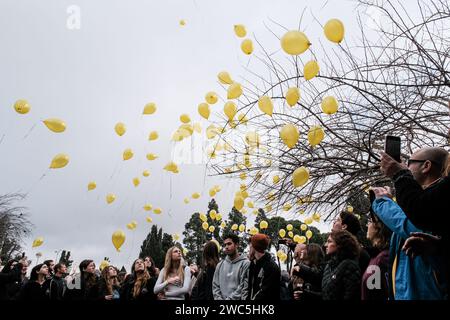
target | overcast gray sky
[{"x": 126, "y": 54}]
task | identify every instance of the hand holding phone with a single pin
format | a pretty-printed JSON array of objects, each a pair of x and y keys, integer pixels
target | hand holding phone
[{"x": 392, "y": 146}]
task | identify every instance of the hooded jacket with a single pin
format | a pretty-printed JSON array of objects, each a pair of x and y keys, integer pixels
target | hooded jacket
[
  {"x": 416, "y": 278},
  {"x": 231, "y": 279},
  {"x": 264, "y": 279}
]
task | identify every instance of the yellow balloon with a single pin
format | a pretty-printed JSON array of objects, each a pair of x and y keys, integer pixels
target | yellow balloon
[
  {"x": 295, "y": 42},
  {"x": 103, "y": 265},
  {"x": 253, "y": 231},
  {"x": 250, "y": 204},
  {"x": 303, "y": 227},
  {"x": 211, "y": 229},
  {"x": 289, "y": 227},
  {"x": 283, "y": 258},
  {"x": 316, "y": 216},
  {"x": 213, "y": 214},
  {"x": 290, "y": 234},
  {"x": 230, "y": 110},
  {"x": 211, "y": 97},
  {"x": 186, "y": 200},
  {"x": 203, "y": 110},
  {"x": 350, "y": 209},
  {"x": 247, "y": 46},
  {"x": 310, "y": 70},
  {"x": 290, "y": 135},
  {"x": 149, "y": 108},
  {"x": 185, "y": 118},
  {"x": 136, "y": 181},
  {"x": 302, "y": 239},
  {"x": 241, "y": 228},
  {"x": 205, "y": 225},
  {"x": 234, "y": 227},
  {"x": 330, "y": 105},
  {"x": 149, "y": 219},
  {"x": 151, "y": 156},
  {"x": 292, "y": 96},
  {"x": 212, "y": 131},
  {"x": 22, "y": 106},
  {"x": 195, "y": 195},
  {"x": 110, "y": 197},
  {"x": 120, "y": 129},
  {"x": 309, "y": 234},
  {"x": 146, "y": 173},
  {"x": 234, "y": 91},
  {"x": 128, "y": 154},
  {"x": 265, "y": 105},
  {"x": 218, "y": 217},
  {"x": 297, "y": 238},
  {"x": 239, "y": 30},
  {"x": 182, "y": 22},
  {"x": 171, "y": 167},
  {"x": 38, "y": 242},
  {"x": 238, "y": 203},
  {"x": 334, "y": 30},
  {"x": 287, "y": 207},
  {"x": 157, "y": 210},
  {"x": 203, "y": 217},
  {"x": 212, "y": 193},
  {"x": 224, "y": 77},
  {"x": 282, "y": 233},
  {"x": 280, "y": 253},
  {"x": 315, "y": 135},
  {"x": 55, "y": 125},
  {"x": 118, "y": 238},
  {"x": 92, "y": 185},
  {"x": 308, "y": 221},
  {"x": 263, "y": 225},
  {"x": 148, "y": 207},
  {"x": 59, "y": 161},
  {"x": 176, "y": 237},
  {"x": 300, "y": 177},
  {"x": 276, "y": 179},
  {"x": 153, "y": 136},
  {"x": 223, "y": 224}
]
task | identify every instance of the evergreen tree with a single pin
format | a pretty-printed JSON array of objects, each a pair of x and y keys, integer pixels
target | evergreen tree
[{"x": 156, "y": 245}]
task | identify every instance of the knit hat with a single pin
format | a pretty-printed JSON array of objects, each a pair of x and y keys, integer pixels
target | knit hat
[{"x": 260, "y": 242}]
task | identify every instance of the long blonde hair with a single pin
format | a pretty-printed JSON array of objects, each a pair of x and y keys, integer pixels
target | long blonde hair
[{"x": 169, "y": 265}]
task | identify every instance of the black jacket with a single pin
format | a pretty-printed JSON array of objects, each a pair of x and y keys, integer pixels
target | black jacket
[
  {"x": 126, "y": 292},
  {"x": 33, "y": 291},
  {"x": 8, "y": 277},
  {"x": 264, "y": 279},
  {"x": 100, "y": 290},
  {"x": 203, "y": 286},
  {"x": 341, "y": 280},
  {"x": 312, "y": 281},
  {"x": 57, "y": 288}
]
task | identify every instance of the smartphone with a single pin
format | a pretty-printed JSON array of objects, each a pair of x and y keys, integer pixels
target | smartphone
[
  {"x": 392, "y": 147},
  {"x": 372, "y": 199}
]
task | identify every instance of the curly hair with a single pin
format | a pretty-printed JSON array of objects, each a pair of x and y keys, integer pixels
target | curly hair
[{"x": 347, "y": 245}]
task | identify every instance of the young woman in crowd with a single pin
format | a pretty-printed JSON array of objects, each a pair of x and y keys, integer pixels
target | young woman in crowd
[
  {"x": 203, "y": 287},
  {"x": 151, "y": 267},
  {"x": 342, "y": 276},
  {"x": 175, "y": 278},
  {"x": 36, "y": 288},
  {"x": 139, "y": 285},
  {"x": 108, "y": 287}
]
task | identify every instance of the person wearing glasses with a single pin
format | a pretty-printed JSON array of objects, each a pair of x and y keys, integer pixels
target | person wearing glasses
[
  {"x": 418, "y": 278},
  {"x": 422, "y": 190}
]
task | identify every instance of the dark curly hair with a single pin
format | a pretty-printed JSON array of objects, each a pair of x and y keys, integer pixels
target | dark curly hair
[
  {"x": 347, "y": 245},
  {"x": 351, "y": 221}
]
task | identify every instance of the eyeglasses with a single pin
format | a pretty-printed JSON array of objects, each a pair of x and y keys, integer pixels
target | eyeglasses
[{"x": 409, "y": 161}]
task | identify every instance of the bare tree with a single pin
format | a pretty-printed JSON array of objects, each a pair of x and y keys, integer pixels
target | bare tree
[
  {"x": 394, "y": 80},
  {"x": 14, "y": 225}
]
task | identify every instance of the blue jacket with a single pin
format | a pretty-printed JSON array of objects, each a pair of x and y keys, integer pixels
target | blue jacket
[{"x": 415, "y": 278}]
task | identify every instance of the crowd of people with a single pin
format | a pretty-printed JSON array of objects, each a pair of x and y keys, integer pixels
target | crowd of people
[{"x": 407, "y": 258}]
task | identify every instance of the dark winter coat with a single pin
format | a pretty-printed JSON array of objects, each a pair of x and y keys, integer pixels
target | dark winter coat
[
  {"x": 312, "y": 281},
  {"x": 203, "y": 286},
  {"x": 264, "y": 279},
  {"x": 380, "y": 260},
  {"x": 7, "y": 277},
  {"x": 33, "y": 291},
  {"x": 57, "y": 288},
  {"x": 341, "y": 280},
  {"x": 126, "y": 292}
]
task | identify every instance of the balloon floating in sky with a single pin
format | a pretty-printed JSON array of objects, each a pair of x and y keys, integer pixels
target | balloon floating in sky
[
  {"x": 350, "y": 209},
  {"x": 300, "y": 177},
  {"x": 151, "y": 156},
  {"x": 265, "y": 105},
  {"x": 315, "y": 135},
  {"x": 303, "y": 227},
  {"x": 230, "y": 110},
  {"x": 310, "y": 70},
  {"x": 242, "y": 228},
  {"x": 55, "y": 125},
  {"x": 195, "y": 195},
  {"x": 234, "y": 91},
  {"x": 157, "y": 211},
  {"x": 136, "y": 182},
  {"x": 38, "y": 242},
  {"x": 211, "y": 97},
  {"x": 263, "y": 225},
  {"x": 253, "y": 231},
  {"x": 185, "y": 118},
  {"x": 289, "y": 227},
  {"x": 211, "y": 228},
  {"x": 153, "y": 136},
  {"x": 239, "y": 30},
  {"x": 309, "y": 234},
  {"x": 247, "y": 46},
  {"x": 120, "y": 129},
  {"x": 171, "y": 167},
  {"x": 224, "y": 77},
  {"x": 295, "y": 42},
  {"x": 92, "y": 185},
  {"x": 127, "y": 154},
  {"x": 334, "y": 30},
  {"x": 118, "y": 238},
  {"x": 205, "y": 225},
  {"x": 149, "y": 219},
  {"x": 110, "y": 197},
  {"x": 22, "y": 106},
  {"x": 182, "y": 22},
  {"x": 330, "y": 105},
  {"x": 282, "y": 233},
  {"x": 59, "y": 161},
  {"x": 149, "y": 108},
  {"x": 238, "y": 202},
  {"x": 146, "y": 173},
  {"x": 292, "y": 96},
  {"x": 203, "y": 110}
]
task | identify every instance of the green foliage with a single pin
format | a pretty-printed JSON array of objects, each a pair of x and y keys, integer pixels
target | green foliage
[{"x": 156, "y": 245}]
